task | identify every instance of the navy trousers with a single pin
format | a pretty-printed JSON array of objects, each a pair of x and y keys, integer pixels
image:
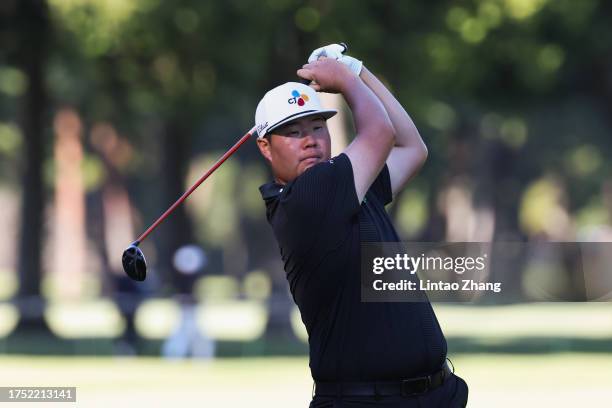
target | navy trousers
[{"x": 452, "y": 394}]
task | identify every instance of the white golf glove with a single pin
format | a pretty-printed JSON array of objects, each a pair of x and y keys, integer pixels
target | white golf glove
[{"x": 335, "y": 51}]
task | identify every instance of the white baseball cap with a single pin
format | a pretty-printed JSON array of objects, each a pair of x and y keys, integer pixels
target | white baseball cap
[{"x": 285, "y": 103}]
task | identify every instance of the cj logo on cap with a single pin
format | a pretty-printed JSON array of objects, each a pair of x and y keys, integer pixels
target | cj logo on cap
[{"x": 298, "y": 98}]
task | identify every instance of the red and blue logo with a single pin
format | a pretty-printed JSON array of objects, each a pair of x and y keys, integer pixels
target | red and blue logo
[{"x": 298, "y": 98}]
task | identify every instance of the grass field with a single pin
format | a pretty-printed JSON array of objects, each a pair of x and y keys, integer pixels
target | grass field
[{"x": 496, "y": 380}]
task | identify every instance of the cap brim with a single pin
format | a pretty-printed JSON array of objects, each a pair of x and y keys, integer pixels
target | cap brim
[{"x": 326, "y": 113}]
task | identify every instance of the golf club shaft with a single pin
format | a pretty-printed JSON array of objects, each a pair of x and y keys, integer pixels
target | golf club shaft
[{"x": 196, "y": 185}]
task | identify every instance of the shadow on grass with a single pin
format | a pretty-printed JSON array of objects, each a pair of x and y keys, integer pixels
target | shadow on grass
[
  {"x": 49, "y": 345},
  {"x": 528, "y": 345}
]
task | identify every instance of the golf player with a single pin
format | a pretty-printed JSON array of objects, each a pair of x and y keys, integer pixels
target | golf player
[{"x": 321, "y": 209}]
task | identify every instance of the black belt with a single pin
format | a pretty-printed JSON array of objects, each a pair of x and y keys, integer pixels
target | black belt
[{"x": 405, "y": 388}]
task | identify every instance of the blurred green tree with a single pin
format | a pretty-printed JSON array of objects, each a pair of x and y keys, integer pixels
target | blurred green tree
[
  {"x": 505, "y": 93},
  {"x": 25, "y": 32}
]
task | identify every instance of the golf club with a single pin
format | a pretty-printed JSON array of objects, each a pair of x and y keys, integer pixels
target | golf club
[{"x": 133, "y": 260}]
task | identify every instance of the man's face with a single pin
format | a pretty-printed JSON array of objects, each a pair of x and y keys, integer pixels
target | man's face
[{"x": 296, "y": 146}]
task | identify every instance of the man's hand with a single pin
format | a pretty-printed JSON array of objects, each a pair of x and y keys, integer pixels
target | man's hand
[
  {"x": 328, "y": 75},
  {"x": 335, "y": 51}
]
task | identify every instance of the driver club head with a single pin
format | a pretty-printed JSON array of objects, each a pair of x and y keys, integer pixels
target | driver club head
[{"x": 134, "y": 263}]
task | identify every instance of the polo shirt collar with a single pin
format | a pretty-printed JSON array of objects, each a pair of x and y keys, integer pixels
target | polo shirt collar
[{"x": 270, "y": 190}]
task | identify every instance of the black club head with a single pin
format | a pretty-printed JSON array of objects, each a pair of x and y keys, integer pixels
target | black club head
[{"x": 134, "y": 263}]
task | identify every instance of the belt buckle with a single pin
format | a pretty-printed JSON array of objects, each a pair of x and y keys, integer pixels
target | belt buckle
[{"x": 424, "y": 383}]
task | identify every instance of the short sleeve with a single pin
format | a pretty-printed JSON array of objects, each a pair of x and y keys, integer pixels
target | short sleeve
[
  {"x": 381, "y": 187},
  {"x": 323, "y": 193}
]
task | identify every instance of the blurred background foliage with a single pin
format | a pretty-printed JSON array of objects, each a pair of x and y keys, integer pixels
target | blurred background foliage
[{"x": 512, "y": 97}]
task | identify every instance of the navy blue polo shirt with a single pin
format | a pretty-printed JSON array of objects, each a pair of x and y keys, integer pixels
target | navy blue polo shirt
[{"x": 319, "y": 225}]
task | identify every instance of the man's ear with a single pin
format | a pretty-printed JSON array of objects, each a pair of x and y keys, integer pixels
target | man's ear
[{"x": 264, "y": 147}]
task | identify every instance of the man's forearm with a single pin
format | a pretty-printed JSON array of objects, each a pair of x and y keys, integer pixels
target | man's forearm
[
  {"x": 369, "y": 113},
  {"x": 409, "y": 152},
  {"x": 406, "y": 133}
]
